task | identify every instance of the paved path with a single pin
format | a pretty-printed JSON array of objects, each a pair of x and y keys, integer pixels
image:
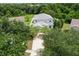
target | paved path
[{"x": 37, "y": 45}]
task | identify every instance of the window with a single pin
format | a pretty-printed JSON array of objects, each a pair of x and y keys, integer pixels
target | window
[
  {"x": 34, "y": 21},
  {"x": 49, "y": 26},
  {"x": 49, "y": 20}
]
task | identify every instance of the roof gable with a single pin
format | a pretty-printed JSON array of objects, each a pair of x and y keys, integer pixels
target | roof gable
[{"x": 42, "y": 16}]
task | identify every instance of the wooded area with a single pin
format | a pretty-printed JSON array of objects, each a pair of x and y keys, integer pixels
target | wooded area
[{"x": 14, "y": 35}]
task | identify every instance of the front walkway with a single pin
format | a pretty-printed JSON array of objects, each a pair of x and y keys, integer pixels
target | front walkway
[{"x": 37, "y": 45}]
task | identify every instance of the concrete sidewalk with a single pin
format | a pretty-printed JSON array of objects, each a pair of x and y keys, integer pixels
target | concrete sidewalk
[{"x": 37, "y": 45}]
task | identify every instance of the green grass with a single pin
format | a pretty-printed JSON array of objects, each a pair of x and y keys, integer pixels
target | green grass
[
  {"x": 28, "y": 18},
  {"x": 66, "y": 26}
]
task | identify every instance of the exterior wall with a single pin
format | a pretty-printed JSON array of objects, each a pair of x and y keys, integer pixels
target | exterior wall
[{"x": 43, "y": 23}]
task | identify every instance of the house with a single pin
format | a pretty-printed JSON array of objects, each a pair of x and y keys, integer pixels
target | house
[
  {"x": 20, "y": 19},
  {"x": 75, "y": 24},
  {"x": 42, "y": 20}
]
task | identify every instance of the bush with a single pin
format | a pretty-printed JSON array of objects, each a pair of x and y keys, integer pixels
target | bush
[
  {"x": 13, "y": 38},
  {"x": 58, "y": 23},
  {"x": 58, "y": 43}
]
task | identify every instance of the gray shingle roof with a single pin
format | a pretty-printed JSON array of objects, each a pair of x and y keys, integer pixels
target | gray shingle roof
[{"x": 41, "y": 20}]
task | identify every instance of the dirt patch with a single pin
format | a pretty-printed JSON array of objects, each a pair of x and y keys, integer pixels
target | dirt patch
[
  {"x": 29, "y": 44},
  {"x": 27, "y": 54}
]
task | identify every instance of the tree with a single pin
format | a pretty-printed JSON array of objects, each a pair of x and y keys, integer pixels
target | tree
[
  {"x": 13, "y": 38},
  {"x": 58, "y": 43}
]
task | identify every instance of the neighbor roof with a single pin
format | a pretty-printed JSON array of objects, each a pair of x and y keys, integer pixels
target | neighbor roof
[
  {"x": 74, "y": 23},
  {"x": 20, "y": 18}
]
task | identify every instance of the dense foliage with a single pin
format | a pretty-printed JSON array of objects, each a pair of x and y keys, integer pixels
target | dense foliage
[
  {"x": 14, "y": 35},
  {"x": 61, "y": 11},
  {"x": 13, "y": 38},
  {"x": 58, "y": 43}
]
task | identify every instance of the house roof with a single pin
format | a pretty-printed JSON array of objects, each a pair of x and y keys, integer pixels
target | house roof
[
  {"x": 20, "y": 18},
  {"x": 74, "y": 23},
  {"x": 42, "y": 20},
  {"x": 42, "y": 16}
]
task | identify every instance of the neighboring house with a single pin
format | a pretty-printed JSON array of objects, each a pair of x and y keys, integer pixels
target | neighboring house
[
  {"x": 75, "y": 24},
  {"x": 42, "y": 20},
  {"x": 20, "y": 19}
]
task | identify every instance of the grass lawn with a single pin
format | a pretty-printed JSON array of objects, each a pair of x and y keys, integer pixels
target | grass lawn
[
  {"x": 28, "y": 18},
  {"x": 66, "y": 26}
]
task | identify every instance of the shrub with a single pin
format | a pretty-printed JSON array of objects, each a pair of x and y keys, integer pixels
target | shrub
[
  {"x": 58, "y": 23},
  {"x": 13, "y": 38},
  {"x": 58, "y": 43}
]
